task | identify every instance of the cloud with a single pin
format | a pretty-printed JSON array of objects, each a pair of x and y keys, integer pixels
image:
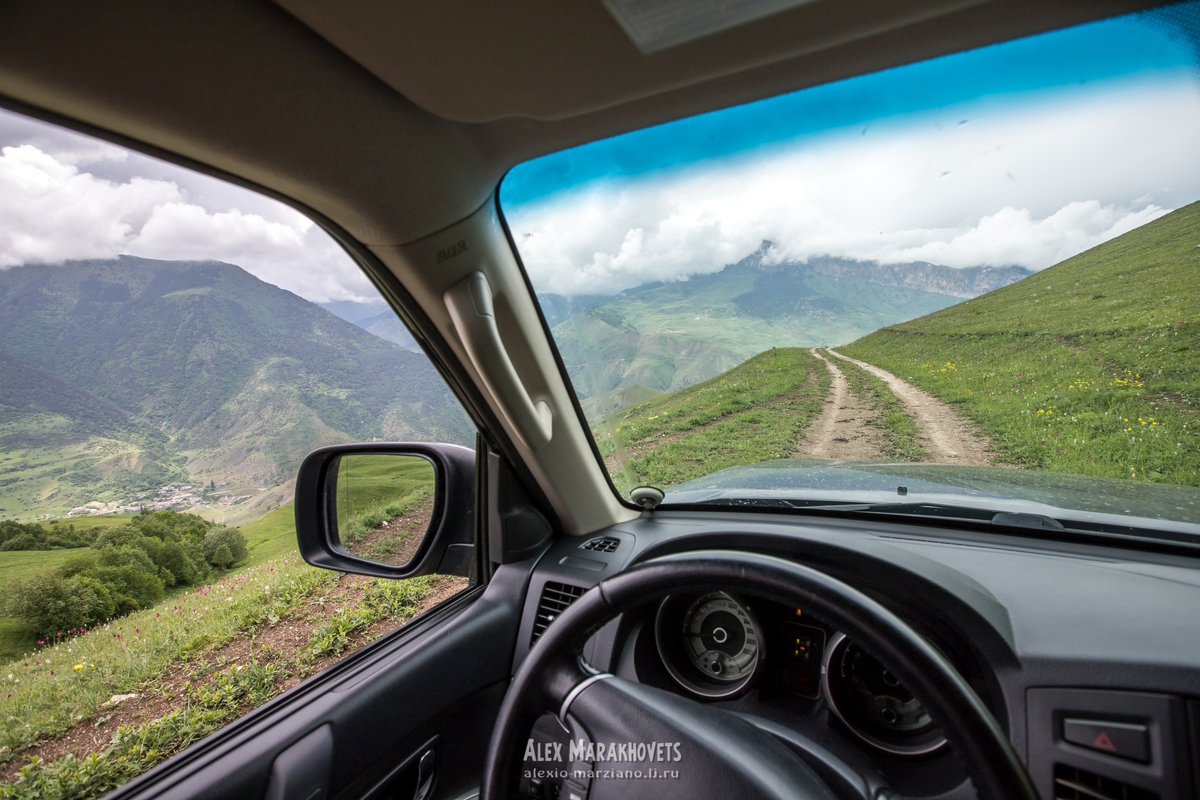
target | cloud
[
  {"x": 1030, "y": 181},
  {"x": 51, "y": 210}
]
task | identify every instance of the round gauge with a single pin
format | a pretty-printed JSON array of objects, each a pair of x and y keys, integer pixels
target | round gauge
[
  {"x": 872, "y": 703},
  {"x": 712, "y": 645},
  {"x": 721, "y": 637}
]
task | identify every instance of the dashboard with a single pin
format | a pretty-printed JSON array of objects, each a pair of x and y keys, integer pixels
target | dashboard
[{"x": 1088, "y": 655}]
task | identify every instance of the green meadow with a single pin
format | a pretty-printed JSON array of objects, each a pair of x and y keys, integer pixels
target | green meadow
[
  {"x": 1089, "y": 367},
  {"x": 754, "y": 412}
]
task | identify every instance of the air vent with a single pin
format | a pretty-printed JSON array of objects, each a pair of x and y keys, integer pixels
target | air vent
[
  {"x": 555, "y": 599},
  {"x": 602, "y": 544},
  {"x": 1071, "y": 783}
]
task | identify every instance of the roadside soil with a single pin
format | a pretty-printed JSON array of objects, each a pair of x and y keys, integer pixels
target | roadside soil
[
  {"x": 283, "y": 643},
  {"x": 841, "y": 431},
  {"x": 947, "y": 437}
]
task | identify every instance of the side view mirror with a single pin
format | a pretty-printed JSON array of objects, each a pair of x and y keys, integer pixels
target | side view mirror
[{"x": 388, "y": 510}]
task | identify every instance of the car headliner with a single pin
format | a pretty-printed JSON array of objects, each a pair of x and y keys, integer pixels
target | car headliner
[{"x": 395, "y": 120}]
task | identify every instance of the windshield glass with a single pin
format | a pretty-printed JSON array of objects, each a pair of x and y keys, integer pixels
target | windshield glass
[{"x": 974, "y": 279}]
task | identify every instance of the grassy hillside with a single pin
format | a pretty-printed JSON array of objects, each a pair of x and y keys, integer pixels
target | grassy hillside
[
  {"x": 1091, "y": 366},
  {"x": 58, "y": 442},
  {"x": 271, "y": 536},
  {"x": 118, "y": 373},
  {"x": 754, "y": 412}
]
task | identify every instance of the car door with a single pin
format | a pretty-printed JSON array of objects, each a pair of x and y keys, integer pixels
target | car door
[{"x": 407, "y": 716}]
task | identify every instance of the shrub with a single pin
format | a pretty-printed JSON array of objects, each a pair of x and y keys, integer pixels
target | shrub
[
  {"x": 22, "y": 541},
  {"x": 51, "y": 603},
  {"x": 231, "y": 538},
  {"x": 35, "y": 537},
  {"x": 129, "y": 582},
  {"x": 119, "y": 536},
  {"x": 127, "y": 568},
  {"x": 127, "y": 557}
]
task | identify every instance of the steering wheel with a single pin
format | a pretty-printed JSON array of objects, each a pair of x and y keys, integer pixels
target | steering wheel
[{"x": 716, "y": 753}]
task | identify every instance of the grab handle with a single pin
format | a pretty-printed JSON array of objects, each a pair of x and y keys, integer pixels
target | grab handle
[{"x": 470, "y": 305}]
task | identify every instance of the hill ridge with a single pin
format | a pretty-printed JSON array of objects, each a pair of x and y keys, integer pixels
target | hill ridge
[{"x": 188, "y": 348}]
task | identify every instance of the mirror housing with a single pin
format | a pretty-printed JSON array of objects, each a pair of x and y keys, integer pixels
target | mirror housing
[{"x": 448, "y": 547}]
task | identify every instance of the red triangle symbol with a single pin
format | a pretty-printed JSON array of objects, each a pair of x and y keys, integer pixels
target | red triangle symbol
[{"x": 1104, "y": 743}]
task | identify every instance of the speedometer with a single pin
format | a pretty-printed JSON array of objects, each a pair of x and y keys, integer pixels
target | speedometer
[
  {"x": 711, "y": 644},
  {"x": 722, "y": 638}
]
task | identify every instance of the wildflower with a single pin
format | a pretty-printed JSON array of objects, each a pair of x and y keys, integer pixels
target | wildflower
[{"x": 77, "y": 667}]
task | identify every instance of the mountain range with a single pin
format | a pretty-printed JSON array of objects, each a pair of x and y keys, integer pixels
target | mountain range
[
  {"x": 129, "y": 373},
  {"x": 664, "y": 336}
]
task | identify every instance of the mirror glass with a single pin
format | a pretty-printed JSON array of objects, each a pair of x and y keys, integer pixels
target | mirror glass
[{"x": 384, "y": 505}]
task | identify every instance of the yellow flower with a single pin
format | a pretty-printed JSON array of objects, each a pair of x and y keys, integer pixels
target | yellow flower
[{"x": 77, "y": 667}]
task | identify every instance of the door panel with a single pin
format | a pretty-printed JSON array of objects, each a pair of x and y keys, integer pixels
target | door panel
[{"x": 444, "y": 676}]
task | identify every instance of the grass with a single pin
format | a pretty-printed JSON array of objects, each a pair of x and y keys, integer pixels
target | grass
[
  {"x": 899, "y": 440},
  {"x": 754, "y": 412},
  {"x": 1090, "y": 367},
  {"x": 66, "y": 684},
  {"x": 375, "y": 488},
  {"x": 272, "y": 535},
  {"x": 46, "y": 695}
]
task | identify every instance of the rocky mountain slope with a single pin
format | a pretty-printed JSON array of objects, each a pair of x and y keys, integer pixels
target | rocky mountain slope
[{"x": 198, "y": 364}]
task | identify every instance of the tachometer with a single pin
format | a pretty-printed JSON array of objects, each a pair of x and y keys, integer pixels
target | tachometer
[
  {"x": 874, "y": 704},
  {"x": 712, "y": 645}
]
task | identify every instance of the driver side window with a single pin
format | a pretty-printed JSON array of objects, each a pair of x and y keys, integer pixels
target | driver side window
[{"x": 171, "y": 347}]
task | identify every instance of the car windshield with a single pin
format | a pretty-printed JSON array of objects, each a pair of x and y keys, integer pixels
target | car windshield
[{"x": 967, "y": 282}]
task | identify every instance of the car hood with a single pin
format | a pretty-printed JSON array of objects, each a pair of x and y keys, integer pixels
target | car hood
[{"x": 1101, "y": 502}]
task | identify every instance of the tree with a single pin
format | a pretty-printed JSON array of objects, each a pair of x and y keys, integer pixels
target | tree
[
  {"x": 222, "y": 557},
  {"x": 232, "y": 538}
]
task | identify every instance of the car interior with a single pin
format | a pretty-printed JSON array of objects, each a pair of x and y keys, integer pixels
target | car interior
[{"x": 870, "y": 656}]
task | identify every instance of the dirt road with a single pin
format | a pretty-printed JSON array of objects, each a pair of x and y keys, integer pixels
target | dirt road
[{"x": 842, "y": 433}]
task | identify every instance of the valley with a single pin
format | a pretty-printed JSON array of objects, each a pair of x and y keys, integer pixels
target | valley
[
  {"x": 664, "y": 337},
  {"x": 125, "y": 376}
]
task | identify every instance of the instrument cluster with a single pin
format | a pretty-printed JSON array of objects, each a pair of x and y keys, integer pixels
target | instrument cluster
[{"x": 720, "y": 645}]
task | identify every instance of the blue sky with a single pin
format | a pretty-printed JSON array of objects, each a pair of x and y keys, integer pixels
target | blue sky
[
  {"x": 1025, "y": 152},
  {"x": 1125, "y": 48}
]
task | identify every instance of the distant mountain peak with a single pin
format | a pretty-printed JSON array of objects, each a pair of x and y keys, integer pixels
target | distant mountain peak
[{"x": 965, "y": 282}]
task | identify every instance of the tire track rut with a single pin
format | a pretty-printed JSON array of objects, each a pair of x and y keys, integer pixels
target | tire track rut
[{"x": 841, "y": 432}]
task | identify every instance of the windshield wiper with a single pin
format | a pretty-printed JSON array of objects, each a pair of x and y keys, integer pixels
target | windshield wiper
[
  {"x": 1009, "y": 519},
  {"x": 917, "y": 509}
]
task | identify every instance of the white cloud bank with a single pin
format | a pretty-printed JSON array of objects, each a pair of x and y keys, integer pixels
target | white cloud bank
[
  {"x": 981, "y": 184},
  {"x": 52, "y": 209}
]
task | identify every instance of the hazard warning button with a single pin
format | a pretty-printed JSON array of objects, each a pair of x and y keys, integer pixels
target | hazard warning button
[{"x": 1121, "y": 739}]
